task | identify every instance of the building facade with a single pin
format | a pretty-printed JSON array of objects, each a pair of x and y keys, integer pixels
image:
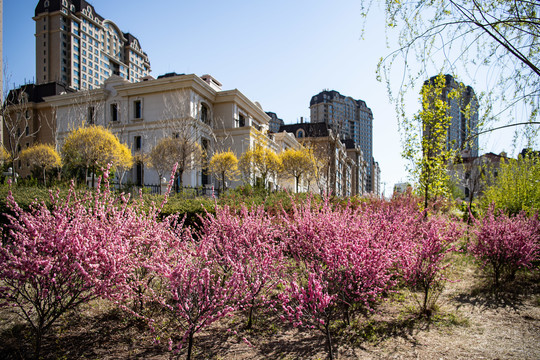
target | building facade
[
  {"x": 472, "y": 175},
  {"x": 142, "y": 113},
  {"x": 341, "y": 169},
  {"x": 350, "y": 119},
  {"x": 463, "y": 111},
  {"x": 78, "y": 47}
]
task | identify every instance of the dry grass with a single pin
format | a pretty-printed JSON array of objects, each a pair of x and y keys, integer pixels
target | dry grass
[{"x": 472, "y": 322}]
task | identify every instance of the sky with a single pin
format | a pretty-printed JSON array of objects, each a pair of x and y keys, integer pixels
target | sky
[{"x": 279, "y": 53}]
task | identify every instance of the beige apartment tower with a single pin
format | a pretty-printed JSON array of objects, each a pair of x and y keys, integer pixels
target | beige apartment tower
[{"x": 77, "y": 47}]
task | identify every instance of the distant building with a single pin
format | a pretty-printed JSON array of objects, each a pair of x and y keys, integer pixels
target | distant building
[
  {"x": 464, "y": 117},
  {"x": 350, "y": 119},
  {"x": 274, "y": 123},
  {"x": 401, "y": 188},
  {"x": 78, "y": 47},
  {"x": 471, "y": 175},
  {"x": 375, "y": 177},
  {"x": 341, "y": 165}
]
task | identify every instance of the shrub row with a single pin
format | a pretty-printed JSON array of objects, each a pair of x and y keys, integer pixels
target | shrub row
[{"x": 315, "y": 264}]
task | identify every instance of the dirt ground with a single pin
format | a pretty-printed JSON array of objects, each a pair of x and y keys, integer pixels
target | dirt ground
[{"x": 472, "y": 322}]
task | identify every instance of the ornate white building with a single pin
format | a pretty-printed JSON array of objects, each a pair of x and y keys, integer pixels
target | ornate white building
[{"x": 142, "y": 113}]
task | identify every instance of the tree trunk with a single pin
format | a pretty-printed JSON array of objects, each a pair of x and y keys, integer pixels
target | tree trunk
[
  {"x": 37, "y": 348},
  {"x": 190, "y": 345},
  {"x": 347, "y": 315},
  {"x": 44, "y": 179},
  {"x": 328, "y": 341},
  {"x": 223, "y": 181},
  {"x": 93, "y": 175},
  {"x": 180, "y": 180},
  {"x": 426, "y": 294},
  {"x": 250, "y": 314}
]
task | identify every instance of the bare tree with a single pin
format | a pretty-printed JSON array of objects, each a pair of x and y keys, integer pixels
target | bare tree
[
  {"x": 18, "y": 113},
  {"x": 162, "y": 156},
  {"x": 184, "y": 120},
  {"x": 322, "y": 152}
]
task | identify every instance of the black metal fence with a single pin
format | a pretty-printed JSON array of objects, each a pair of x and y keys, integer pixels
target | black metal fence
[{"x": 156, "y": 189}]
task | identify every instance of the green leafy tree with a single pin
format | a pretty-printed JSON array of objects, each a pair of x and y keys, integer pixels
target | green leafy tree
[
  {"x": 517, "y": 186},
  {"x": 428, "y": 151},
  {"x": 499, "y": 38},
  {"x": 42, "y": 156}
]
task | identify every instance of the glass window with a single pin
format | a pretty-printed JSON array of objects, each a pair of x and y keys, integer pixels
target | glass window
[
  {"x": 90, "y": 115},
  {"x": 241, "y": 121},
  {"x": 204, "y": 113},
  {"x": 137, "y": 109},
  {"x": 138, "y": 143}
]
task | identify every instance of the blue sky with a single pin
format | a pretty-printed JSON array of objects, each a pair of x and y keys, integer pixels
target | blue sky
[{"x": 279, "y": 53}]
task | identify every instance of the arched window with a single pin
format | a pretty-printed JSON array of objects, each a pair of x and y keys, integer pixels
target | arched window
[{"x": 300, "y": 134}]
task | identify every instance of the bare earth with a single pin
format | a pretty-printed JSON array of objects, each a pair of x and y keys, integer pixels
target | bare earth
[{"x": 473, "y": 322}]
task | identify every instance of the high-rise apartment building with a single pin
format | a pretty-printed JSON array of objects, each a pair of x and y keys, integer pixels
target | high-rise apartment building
[
  {"x": 351, "y": 119},
  {"x": 275, "y": 122},
  {"x": 463, "y": 110},
  {"x": 77, "y": 47}
]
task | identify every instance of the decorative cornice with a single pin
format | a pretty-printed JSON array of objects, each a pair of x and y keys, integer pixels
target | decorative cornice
[
  {"x": 168, "y": 84},
  {"x": 235, "y": 96}
]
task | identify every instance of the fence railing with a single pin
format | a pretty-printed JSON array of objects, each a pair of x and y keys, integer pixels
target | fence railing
[{"x": 155, "y": 189}]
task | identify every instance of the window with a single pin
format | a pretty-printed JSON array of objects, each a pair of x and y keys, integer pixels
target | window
[
  {"x": 138, "y": 143},
  {"x": 91, "y": 115},
  {"x": 137, "y": 109},
  {"x": 300, "y": 134},
  {"x": 114, "y": 112},
  {"x": 204, "y": 114},
  {"x": 241, "y": 121}
]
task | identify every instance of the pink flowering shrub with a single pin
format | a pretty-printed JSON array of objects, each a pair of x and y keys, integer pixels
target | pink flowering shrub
[
  {"x": 424, "y": 268},
  {"x": 55, "y": 259},
  {"x": 231, "y": 263},
  {"x": 505, "y": 244},
  {"x": 341, "y": 265},
  {"x": 249, "y": 242},
  {"x": 311, "y": 305},
  {"x": 201, "y": 292}
]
